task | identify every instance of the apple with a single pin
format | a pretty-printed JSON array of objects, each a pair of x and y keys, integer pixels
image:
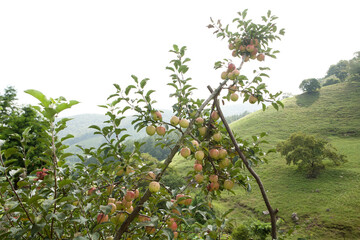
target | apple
[
  {"x": 195, "y": 143},
  {"x": 217, "y": 137},
  {"x": 234, "y": 53},
  {"x": 174, "y": 120},
  {"x": 150, "y": 130},
  {"x": 111, "y": 200},
  {"x": 242, "y": 48},
  {"x": 119, "y": 171},
  {"x": 231, "y": 76},
  {"x": 113, "y": 207},
  {"x": 178, "y": 196},
  {"x": 213, "y": 178},
  {"x": 109, "y": 238},
  {"x": 160, "y": 130},
  {"x": 222, "y": 153},
  {"x": 137, "y": 193},
  {"x": 198, "y": 167},
  {"x": 250, "y": 48},
  {"x": 214, "y": 153},
  {"x": 199, "y": 121},
  {"x": 231, "y": 67},
  {"x": 102, "y": 218},
  {"x": 176, "y": 234},
  {"x": 236, "y": 72},
  {"x": 129, "y": 209},
  {"x": 231, "y": 46},
  {"x": 151, "y": 176},
  {"x": 247, "y": 58},
  {"x": 143, "y": 218},
  {"x": 154, "y": 186},
  {"x": 185, "y": 152},
  {"x": 202, "y": 131},
  {"x": 150, "y": 229},
  {"x": 199, "y": 155},
  {"x": 173, "y": 226},
  {"x": 184, "y": 123},
  {"x": 215, "y": 115},
  {"x": 252, "y": 99},
  {"x": 119, "y": 205},
  {"x": 224, "y": 75},
  {"x": 129, "y": 196},
  {"x": 260, "y": 57},
  {"x": 225, "y": 163},
  {"x": 234, "y": 97},
  {"x": 233, "y": 89},
  {"x": 199, "y": 178},
  {"x": 126, "y": 204},
  {"x": 253, "y": 53},
  {"x": 188, "y": 201},
  {"x": 156, "y": 115},
  {"x": 91, "y": 190},
  {"x": 228, "y": 184}
]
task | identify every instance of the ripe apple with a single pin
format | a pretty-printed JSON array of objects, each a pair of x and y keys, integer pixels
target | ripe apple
[
  {"x": 199, "y": 121},
  {"x": 222, "y": 153},
  {"x": 137, "y": 193},
  {"x": 188, "y": 201},
  {"x": 261, "y": 57},
  {"x": 91, "y": 190},
  {"x": 250, "y": 48},
  {"x": 174, "y": 120},
  {"x": 150, "y": 130},
  {"x": 102, "y": 218},
  {"x": 233, "y": 89},
  {"x": 198, "y": 167},
  {"x": 199, "y": 155},
  {"x": 214, "y": 153},
  {"x": 195, "y": 143},
  {"x": 127, "y": 204},
  {"x": 231, "y": 46},
  {"x": 184, "y": 123},
  {"x": 202, "y": 131},
  {"x": 217, "y": 137},
  {"x": 225, "y": 163},
  {"x": 231, "y": 76},
  {"x": 143, "y": 218},
  {"x": 242, "y": 48},
  {"x": 154, "y": 186},
  {"x": 253, "y": 53},
  {"x": 236, "y": 73},
  {"x": 224, "y": 75},
  {"x": 215, "y": 115},
  {"x": 252, "y": 99},
  {"x": 185, "y": 152},
  {"x": 234, "y": 97},
  {"x": 228, "y": 184},
  {"x": 129, "y": 209},
  {"x": 231, "y": 67},
  {"x": 199, "y": 178},
  {"x": 160, "y": 130},
  {"x": 213, "y": 178},
  {"x": 129, "y": 196},
  {"x": 156, "y": 116},
  {"x": 234, "y": 53},
  {"x": 151, "y": 176},
  {"x": 176, "y": 234}
]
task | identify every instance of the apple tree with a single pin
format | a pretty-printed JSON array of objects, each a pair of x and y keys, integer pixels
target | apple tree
[{"x": 120, "y": 194}]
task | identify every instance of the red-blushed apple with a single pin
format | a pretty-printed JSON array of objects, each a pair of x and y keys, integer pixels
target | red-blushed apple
[
  {"x": 222, "y": 153},
  {"x": 202, "y": 131},
  {"x": 102, "y": 218},
  {"x": 129, "y": 196},
  {"x": 137, "y": 193},
  {"x": 188, "y": 201},
  {"x": 176, "y": 234},
  {"x": 184, "y": 123},
  {"x": 234, "y": 53},
  {"x": 242, "y": 48},
  {"x": 143, "y": 218},
  {"x": 233, "y": 89},
  {"x": 225, "y": 163},
  {"x": 260, "y": 57},
  {"x": 224, "y": 75},
  {"x": 252, "y": 99},
  {"x": 228, "y": 184},
  {"x": 236, "y": 73},
  {"x": 178, "y": 196},
  {"x": 231, "y": 46},
  {"x": 126, "y": 204},
  {"x": 234, "y": 97},
  {"x": 213, "y": 178},
  {"x": 156, "y": 116},
  {"x": 231, "y": 76},
  {"x": 217, "y": 137},
  {"x": 199, "y": 178},
  {"x": 173, "y": 226},
  {"x": 119, "y": 205},
  {"x": 129, "y": 209},
  {"x": 150, "y": 130},
  {"x": 253, "y": 53},
  {"x": 198, "y": 167},
  {"x": 213, "y": 186},
  {"x": 160, "y": 130},
  {"x": 214, "y": 153},
  {"x": 154, "y": 186},
  {"x": 113, "y": 207},
  {"x": 185, "y": 152},
  {"x": 199, "y": 155},
  {"x": 250, "y": 48},
  {"x": 254, "y": 42},
  {"x": 231, "y": 67},
  {"x": 195, "y": 143},
  {"x": 215, "y": 115},
  {"x": 91, "y": 190},
  {"x": 199, "y": 121}
]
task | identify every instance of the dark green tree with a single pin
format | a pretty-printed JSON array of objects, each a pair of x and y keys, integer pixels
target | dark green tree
[
  {"x": 354, "y": 68},
  {"x": 310, "y": 85},
  {"x": 340, "y": 70},
  {"x": 308, "y": 153}
]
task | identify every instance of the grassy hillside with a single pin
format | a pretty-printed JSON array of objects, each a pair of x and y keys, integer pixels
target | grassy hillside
[{"x": 328, "y": 206}]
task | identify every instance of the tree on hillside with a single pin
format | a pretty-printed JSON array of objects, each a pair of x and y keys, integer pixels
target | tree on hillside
[
  {"x": 310, "y": 85},
  {"x": 340, "y": 70},
  {"x": 330, "y": 80},
  {"x": 308, "y": 153},
  {"x": 354, "y": 68}
]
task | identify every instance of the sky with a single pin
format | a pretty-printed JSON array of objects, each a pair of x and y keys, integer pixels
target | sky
[{"x": 79, "y": 49}]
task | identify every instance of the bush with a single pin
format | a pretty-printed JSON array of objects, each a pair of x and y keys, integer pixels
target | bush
[
  {"x": 331, "y": 80},
  {"x": 241, "y": 232}
]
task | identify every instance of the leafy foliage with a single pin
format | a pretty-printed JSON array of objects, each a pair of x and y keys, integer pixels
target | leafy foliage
[
  {"x": 308, "y": 153},
  {"x": 310, "y": 85}
]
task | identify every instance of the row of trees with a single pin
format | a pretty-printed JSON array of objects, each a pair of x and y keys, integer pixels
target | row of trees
[{"x": 344, "y": 70}]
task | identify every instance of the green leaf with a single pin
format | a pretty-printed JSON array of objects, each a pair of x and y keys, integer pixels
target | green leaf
[
  {"x": 39, "y": 96},
  {"x": 135, "y": 78},
  {"x": 37, "y": 228},
  {"x": 275, "y": 106},
  {"x": 143, "y": 82},
  {"x": 176, "y": 48},
  {"x": 127, "y": 90},
  {"x": 65, "y": 182}
]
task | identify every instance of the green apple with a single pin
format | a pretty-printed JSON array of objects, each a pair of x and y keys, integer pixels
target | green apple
[
  {"x": 199, "y": 155},
  {"x": 184, "y": 123},
  {"x": 150, "y": 130},
  {"x": 160, "y": 130},
  {"x": 228, "y": 184},
  {"x": 174, "y": 120},
  {"x": 154, "y": 186}
]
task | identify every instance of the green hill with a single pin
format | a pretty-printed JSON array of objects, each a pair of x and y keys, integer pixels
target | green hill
[{"x": 328, "y": 206}]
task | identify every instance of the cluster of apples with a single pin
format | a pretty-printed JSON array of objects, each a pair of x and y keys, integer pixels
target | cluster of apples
[
  {"x": 160, "y": 130},
  {"x": 216, "y": 153},
  {"x": 246, "y": 47}
]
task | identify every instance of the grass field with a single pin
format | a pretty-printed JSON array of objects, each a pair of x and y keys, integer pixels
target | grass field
[{"x": 328, "y": 206}]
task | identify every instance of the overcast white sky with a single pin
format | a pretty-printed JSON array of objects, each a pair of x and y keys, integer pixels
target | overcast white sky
[{"x": 78, "y": 49}]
